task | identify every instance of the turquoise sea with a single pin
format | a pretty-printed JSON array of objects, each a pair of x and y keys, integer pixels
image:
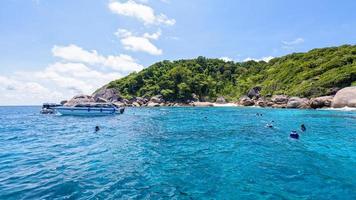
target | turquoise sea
[{"x": 178, "y": 153}]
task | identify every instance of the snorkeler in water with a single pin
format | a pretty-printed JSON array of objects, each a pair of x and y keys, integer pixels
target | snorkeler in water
[
  {"x": 303, "y": 128},
  {"x": 270, "y": 125},
  {"x": 294, "y": 135},
  {"x": 97, "y": 128}
]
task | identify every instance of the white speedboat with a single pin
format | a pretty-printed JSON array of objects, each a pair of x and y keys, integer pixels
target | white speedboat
[{"x": 93, "y": 109}]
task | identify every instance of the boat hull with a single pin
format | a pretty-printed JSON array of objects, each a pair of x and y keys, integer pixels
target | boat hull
[{"x": 87, "y": 111}]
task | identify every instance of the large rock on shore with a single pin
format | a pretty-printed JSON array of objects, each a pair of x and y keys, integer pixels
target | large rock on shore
[
  {"x": 119, "y": 104},
  {"x": 345, "y": 97},
  {"x": 202, "y": 104},
  {"x": 135, "y": 104},
  {"x": 332, "y": 91},
  {"x": 63, "y": 102},
  {"x": 139, "y": 100},
  {"x": 297, "y": 102},
  {"x": 80, "y": 99},
  {"x": 157, "y": 99},
  {"x": 280, "y": 99},
  {"x": 261, "y": 103},
  {"x": 246, "y": 101},
  {"x": 153, "y": 104},
  {"x": 220, "y": 100},
  {"x": 254, "y": 92},
  {"x": 195, "y": 97},
  {"x": 101, "y": 100},
  {"x": 320, "y": 102},
  {"x": 110, "y": 95}
]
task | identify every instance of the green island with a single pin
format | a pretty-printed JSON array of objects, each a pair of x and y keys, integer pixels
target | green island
[
  {"x": 311, "y": 74},
  {"x": 324, "y": 77}
]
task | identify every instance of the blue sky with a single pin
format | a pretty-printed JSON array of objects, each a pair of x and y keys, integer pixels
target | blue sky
[{"x": 51, "y": 50}]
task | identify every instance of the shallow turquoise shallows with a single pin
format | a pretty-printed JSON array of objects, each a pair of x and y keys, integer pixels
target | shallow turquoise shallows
[{"x": 178, "y": 153}]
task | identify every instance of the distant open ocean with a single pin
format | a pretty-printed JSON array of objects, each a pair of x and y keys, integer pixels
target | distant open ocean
[{"x": 178, "y": 153}]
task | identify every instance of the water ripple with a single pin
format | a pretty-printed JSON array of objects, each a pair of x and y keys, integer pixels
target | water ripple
[{"x": 178, "y": 153}]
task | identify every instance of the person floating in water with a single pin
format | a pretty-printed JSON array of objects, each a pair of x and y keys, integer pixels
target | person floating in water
[
  {"x": 97, "y": 128},
  {"x": 294, "y": 135},
  {"x": 270, "y": 125},
  {"x": 303, "y": 128}
]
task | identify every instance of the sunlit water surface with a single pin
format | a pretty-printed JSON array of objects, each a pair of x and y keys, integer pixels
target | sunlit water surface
[{"x": 178, "y": 153}]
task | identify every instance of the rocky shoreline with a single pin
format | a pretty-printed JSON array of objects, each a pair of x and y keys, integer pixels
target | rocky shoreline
[{"x": 345, "y": 97}]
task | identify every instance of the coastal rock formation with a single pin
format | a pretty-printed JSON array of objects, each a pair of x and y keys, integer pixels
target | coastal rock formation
[
  {"x": 246, "y": 101},
  {"x": 125, "y": 101},
  {"x": 269, "y": 104},
  {"x": 136, "y": 104},
  {"x": 195, "y": 97},
  {"x": 141, "y": 100},
  {"x": 280, "y": 99},
  {"x": 153, "y": 104},
  {"x": 220, "y": 100},
  {"x": 157, "y": 99},
  {"x": 261, "y": 103},
  {"x": 63, "y": 102},
  {"x": 345, "y": 97},
  {"x": 119, "y": 104},
  {"x": 254, "y": 92},
  {"x": 320, "y": 102},
  {"x": 101, "y": 100},
  {"x": 202, "y": 104},
  {"x": 279, "y": 106},
  {"x": 333, "y": 91},
  {"x": 297, "y": 102},
  {"x": 80, "y": 99},
  {"x": 108, "y": 94}
]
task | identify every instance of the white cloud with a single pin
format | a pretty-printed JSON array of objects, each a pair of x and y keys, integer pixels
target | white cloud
[
  {"x": 266, "y": 59},
  {"x": 54, "y": 83},
  {"x": 226, "y": 59},
  {"x": 141, "y": 12},
  {"x": 77, "y": 54},
  {"x": 75, "y": 78},
  {"x": 296, "y": 41},
  {"x": 77, "y": 73},
  {"x": 153, "y": 36},
  {"x": 122, "y": 63},
  {"x": 139, "y": 43},
  {"x": 15, "y": 92}
]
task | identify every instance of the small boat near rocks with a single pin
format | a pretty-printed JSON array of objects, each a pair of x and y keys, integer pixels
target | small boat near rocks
[
  {"x": 49, "y": 108},
  {"x": 90, "y": 109}
]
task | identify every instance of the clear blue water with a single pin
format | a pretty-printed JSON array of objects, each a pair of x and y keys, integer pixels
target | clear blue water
[{"x": 178, "y": 153}]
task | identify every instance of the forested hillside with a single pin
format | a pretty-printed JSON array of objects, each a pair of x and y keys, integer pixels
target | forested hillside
[{"x": 310, "y": 74}]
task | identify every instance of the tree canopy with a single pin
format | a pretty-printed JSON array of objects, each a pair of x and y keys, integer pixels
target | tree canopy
[{"x": 310, "y": 74}]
